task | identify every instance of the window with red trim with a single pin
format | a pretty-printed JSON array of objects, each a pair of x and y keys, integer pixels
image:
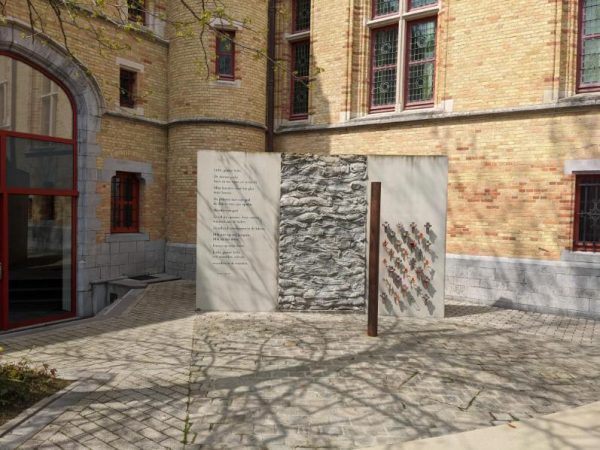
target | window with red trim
[
  {"x": 382, "y": 8},
  {"x": 588, "y": 75},
  {"x": 300, "y": 71},
  {"x": 416, "y": 4},
  {"x": 420, "y": 62},
  {"x": 384, "y": 68},
  {"x": 301, "y": 16},
  {"x": 127, "y": 80},
  {"x": 226, "y": 55},
  {"x": 125, "y": 203},
  {"x": 587, "y": 213},
  {"x": 136, "y": 11}
]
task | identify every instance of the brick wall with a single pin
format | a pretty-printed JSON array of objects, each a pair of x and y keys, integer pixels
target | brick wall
[
  {"x": 517, "y": 55},
  {"x": 508, "y": 194}
]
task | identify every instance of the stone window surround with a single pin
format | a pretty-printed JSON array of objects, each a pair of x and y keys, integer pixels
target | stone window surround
[
  {"x": 145, "y": 172},
  {"x": 401, "y": 19},
  {"x": 574, "y": 167},
  {"x": 227, "y": 26},
  {"x": 138, "y": 68}
]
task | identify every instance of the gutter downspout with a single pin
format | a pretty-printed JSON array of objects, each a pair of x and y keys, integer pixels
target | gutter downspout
[{"x": 270, "y": 78}]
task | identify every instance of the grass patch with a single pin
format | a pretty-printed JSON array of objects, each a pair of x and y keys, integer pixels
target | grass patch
[{"x": 22, "y": 386}]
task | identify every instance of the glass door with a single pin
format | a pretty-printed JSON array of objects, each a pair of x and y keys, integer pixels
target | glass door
[{"x": 37, "y": 196}]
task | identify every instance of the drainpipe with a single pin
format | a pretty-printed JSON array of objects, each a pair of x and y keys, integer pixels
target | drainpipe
[{"x": 270, "y": 78}]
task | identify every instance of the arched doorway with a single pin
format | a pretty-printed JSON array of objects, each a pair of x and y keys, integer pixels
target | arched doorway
[{"x": 38, "y": 195}]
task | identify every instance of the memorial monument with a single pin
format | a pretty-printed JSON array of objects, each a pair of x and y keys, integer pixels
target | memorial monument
[{"x": 289, "y": 232}]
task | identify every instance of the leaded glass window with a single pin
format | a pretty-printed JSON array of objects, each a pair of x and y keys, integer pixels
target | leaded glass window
[
  {"x": 301, "y": 15},
  {"x": 385, "y": 7},
  {"x": 414, "y": 4},
  {"x": 300, "y": 72},
  {"x": 226, "y": 55},
  {"x": 589, "y": 75},
  {"x": 587, "y": 213},
  {"x": 421, "y": 61},
  {"x": 384, "y": 68}
]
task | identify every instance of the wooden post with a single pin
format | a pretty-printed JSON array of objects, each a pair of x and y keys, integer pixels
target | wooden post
[{"x": 374, "y": 259}]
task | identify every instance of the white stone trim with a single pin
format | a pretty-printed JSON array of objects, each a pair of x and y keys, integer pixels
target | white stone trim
[
  {"x": 584, "y": 257},
  {"x": 383, "y": 21},
  {"x": 581, "y": 166},
  {"x": 226, "y": 25},
  {"x": 131, "y": 65},
  {"x": 292, "y": 37},
  {"x": 235, "y": 84}
]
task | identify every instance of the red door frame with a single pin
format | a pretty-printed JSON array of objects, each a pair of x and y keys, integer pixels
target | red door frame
[{"x": 5, "y": 192}]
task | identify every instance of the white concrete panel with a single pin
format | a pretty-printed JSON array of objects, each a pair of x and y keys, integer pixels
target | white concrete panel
[
  {"x": 414, "y": 191},
  {"x": 238, "y": 228}
]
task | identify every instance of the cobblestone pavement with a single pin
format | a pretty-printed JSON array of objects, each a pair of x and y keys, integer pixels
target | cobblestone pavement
[
  {"x": 307, "y": 380},
  {"x": 146, "y": 354}
]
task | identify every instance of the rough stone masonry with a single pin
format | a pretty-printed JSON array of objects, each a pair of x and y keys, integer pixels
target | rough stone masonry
[{"x": 322, "y": 253}]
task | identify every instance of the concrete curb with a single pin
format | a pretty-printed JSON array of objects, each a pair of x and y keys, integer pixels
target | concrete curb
[{"x": 31, "y": 421}]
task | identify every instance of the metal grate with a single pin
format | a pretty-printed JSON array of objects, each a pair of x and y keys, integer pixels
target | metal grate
[
  {"x": 300, "y": 68},
  {"x": 125, "y": 203},
  {"x": 385, "y": 7},
  {"x": 384, "y": 67},
  {"x": 421, "y": 61},
  {"x": 301, "y": 15},
  {"x": 587, "y": 213}
]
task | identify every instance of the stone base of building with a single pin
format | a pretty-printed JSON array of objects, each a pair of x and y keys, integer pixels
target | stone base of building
[
  {"x": 123, "y": 255},
  {"x": 559, "y": 287},
  {"x": 556, "y": 287},
  {"x": 180, "y": 260}
]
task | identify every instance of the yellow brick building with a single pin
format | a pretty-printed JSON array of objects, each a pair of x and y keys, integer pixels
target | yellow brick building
[{"x": 510, "y": 94}]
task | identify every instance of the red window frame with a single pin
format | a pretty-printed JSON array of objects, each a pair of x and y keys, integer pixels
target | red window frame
[
  {"x": 294, "y": 17},
  {"x": 374, "y": 14},
  {"x": 127, "y": 82},
  {"x": 136, "y": 11},
  {"x": 589, "y": 246},
  {"x": 293, "y": 78},
  {"x": 118, "y": 203},
  {"x": 6, "y": 191},
  {"x": 391, "y": 106},
  {"x": 408, "y": 64},
  {"x": 219, "y": 53},
  {"x": 581, "y": 86},
  {"x": 409, "y": 6}
]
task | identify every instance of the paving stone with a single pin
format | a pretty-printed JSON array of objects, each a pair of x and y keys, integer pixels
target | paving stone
[{"x": 286, "y": 380}]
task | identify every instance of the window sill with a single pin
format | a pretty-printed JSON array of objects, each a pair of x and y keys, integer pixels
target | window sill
[
  {"x": 127, "y": 237},
  {"x": 236, "y": 84},
  {"x": 416, "y": 113},
  {"x": 134, "y": 112},
  {"x": 580, "y": 257},
  {"x": 383, "y": 21},
  {"x": 583, "y": 98},
  {"x": 299, "y": 36}
]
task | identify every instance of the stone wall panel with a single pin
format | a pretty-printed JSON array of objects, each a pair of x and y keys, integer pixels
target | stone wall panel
[{"x": 322, "y": 241}]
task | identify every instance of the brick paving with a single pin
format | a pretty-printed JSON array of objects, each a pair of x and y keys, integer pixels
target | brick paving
[{"x": 306, "y": 380}]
